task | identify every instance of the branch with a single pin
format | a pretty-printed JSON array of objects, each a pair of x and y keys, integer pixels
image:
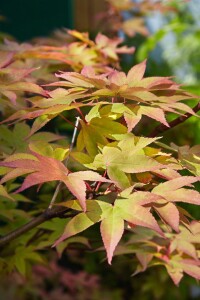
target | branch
[
  {"x": 48, "y": 214},
  {"x": 162, "y": 128}
]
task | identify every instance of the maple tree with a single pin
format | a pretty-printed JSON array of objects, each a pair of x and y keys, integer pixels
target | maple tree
[{"x": 133, "y": 184}]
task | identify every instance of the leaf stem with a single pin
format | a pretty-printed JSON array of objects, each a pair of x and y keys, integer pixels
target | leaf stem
[
  {"x": 66, "y": 120},
  {"x": 81, "y": 114}
]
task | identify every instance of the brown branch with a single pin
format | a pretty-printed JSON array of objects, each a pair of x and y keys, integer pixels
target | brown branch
[
  {"x": 55, "y": 212},
  {"x": 162, "y": 128}
]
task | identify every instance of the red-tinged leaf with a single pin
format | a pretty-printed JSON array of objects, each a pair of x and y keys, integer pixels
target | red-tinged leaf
[
  {"x": 89, "y": 175},
  {"x": 183, "y": 195},
  {"x": 137, "y": 215},
  {"x": 167, "y": 174},
  {"x": 170, "y": 215},
  {"x": 136, "y": 73},
  {"x": 191, "y": 269},
  {"x": 154, "y": 113},
  {"x": 144, "y": 259},
  {"x": 75, "y": 79},
  {"x": 11, "y": 96},
  {"x": 156, "y": 82},
  {"x": 195, "y": 227},
  {"x": 125, "y": 50},
  {"x": 131, "y": 120},
  {"x": 118, "y": 78},
  {"x": 112, "y": 228},
  {"x": 75, "y": 183},
  {"x": 24, "y": 114},
  {"x": 45, "y": 169},
  {"x": 174, "y": 184},
  {"x": 88, "y": 71},
  {"x": 139, "y": 198},
  {"x": 183, "y": 246},
  {"x": 48, "y": 53},
  {"x": 134, "y": 25},
  {"x": 15, "y": 173},
  {"x": 183, "y": 107},
  {"x": 58, "y": 96},
  {"x": 13, "y": 75},
  {"x": 5, "y": 58},
  {"x": 78, "y": 188},
  {"x": 28, "y": 87}
]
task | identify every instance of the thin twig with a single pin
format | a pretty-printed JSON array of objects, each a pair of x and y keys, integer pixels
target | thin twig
[
  {"x": 74, "y": 134},
  {"x": 65, "y": 162},
  {"x": 53, "y": 199},
  {"x": 162, "y": 128}
]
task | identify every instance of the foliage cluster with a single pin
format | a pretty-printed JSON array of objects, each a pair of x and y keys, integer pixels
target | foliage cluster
[{"x": 71, "y": 126}]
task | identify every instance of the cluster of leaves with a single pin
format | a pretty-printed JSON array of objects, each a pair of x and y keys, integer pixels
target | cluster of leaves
[
  {"x": 129, "y": 16},
  {"x": 129, "y": 183}
]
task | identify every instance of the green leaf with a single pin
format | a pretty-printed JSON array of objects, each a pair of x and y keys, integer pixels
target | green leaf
[
  {"x": 97, "y": 132},
  {"x": 4, "y": 193},
  {"x": 119, "y": 178},
  {"x": 96, "y": 210},
  {"x": 126, "y": 160}
]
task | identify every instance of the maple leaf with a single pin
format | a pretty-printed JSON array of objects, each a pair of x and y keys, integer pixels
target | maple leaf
[
  {"x": 186, "y": 239},
  {"x": 109, "y": 46},
  {"x": 177, "y": 265},
  {"x": 103, "y": 45},
  {"x": 17, "y": 138},
  {"x": 45, "y": 169},
  {"x": 172, "y": 190},
  {"x": 135, "y": 25},
  {"x": 128, "y": 157},
  {"x": 13, "y": 80},
  {"x": 112, "y": 218},
  {"x": 45, "y": 109},
  {"x": 160, "y": 92},
  {"x": 190, "y": 158},
  {"x": 97, "y": 132},
  {"x": 170, "y": 252}
]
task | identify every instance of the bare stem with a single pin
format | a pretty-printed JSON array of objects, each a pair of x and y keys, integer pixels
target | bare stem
[{"x": 66, "y": 161}]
